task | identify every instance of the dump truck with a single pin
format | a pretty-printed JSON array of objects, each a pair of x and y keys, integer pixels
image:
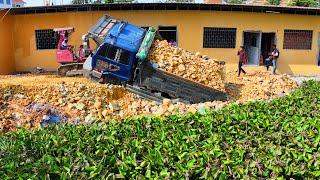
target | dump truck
[{"x": 121, "y": 57}]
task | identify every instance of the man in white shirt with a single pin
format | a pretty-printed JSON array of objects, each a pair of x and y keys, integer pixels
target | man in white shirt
[
  {"x": 273, "y": 58},
  {"x": 64, "y": 44}
]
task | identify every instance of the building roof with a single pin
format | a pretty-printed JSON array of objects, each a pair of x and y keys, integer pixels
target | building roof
[
  {"x": 168, "y": 6},
  {"x": 18, "y": 2}
]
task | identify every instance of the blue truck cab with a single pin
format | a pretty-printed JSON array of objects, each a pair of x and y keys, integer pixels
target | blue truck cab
[{"x": 118, "y": 46}]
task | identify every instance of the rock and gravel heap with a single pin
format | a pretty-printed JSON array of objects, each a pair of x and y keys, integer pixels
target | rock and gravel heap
[
  {"x": 189, "y": 65},
  {"x": 29, "y": 101},
  {"x": 33, "y": 101},
  {"x": 257, "y": 86}
]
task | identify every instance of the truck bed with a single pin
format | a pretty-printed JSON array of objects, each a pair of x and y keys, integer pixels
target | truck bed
[{"x": 157, "y": 80}]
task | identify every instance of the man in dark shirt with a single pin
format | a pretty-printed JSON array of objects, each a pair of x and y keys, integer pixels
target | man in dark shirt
[{"x": 242, "y": 60}]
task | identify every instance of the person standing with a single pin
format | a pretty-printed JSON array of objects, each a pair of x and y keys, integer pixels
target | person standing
[
  {"x": 273, "y": 58},
  {"x": 242, "y": 60},
  {"x": 64, "y": 44},
  {"x": 173, "y": 43}
]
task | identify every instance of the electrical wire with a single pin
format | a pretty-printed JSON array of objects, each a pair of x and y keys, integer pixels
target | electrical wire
[{"x": 2, "y": 18}]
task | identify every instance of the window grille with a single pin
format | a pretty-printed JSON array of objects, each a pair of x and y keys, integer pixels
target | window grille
[
  {"x": 46, "y": 39},
  {"x": 219, "y": 37},
  {"x": 297, "y": 39}
]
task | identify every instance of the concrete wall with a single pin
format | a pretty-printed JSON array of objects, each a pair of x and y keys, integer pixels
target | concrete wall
[
  {"x": 190, "y": 34},
  {"x": 6, "y": 44}
]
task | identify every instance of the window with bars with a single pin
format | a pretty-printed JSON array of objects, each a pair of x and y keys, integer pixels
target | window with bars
[
  {"x": 219, "y": 37},
  {"x": 46, "y": 39},
  {"x": 297, "y": 39}
]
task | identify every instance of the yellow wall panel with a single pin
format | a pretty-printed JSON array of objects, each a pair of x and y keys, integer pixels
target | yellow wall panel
[
  {"x": 6, "y": 44},
  {"x": 190, "y": 34}
]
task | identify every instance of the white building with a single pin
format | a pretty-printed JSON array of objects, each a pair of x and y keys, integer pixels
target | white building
[
  {"x": 18, "y": 3},
  {"x": 5, "y": 4}
]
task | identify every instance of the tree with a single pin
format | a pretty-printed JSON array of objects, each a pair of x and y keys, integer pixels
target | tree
[
  {"x": 79, "y": 1},
  {"x": 118, "y": 1},
  {"x": 235, "y": 1},
  {"x": 108, "y": 1},
  {"x": 274, "y": 2},
  {"x": 86, "y": 1},
  {"x": 305, "y": 3},
  {"x": 180, "y": 1}
]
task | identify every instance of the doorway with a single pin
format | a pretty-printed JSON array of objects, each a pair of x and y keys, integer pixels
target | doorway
[
  {"x": 252, "y": 43},
  {"x": 258, "y": 45},
  {"x": 268, "y": 39}
]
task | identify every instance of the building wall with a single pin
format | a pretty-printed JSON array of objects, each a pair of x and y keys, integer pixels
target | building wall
[
  {"x": 6, "y": 46},
  {"x": 19, "y": 4},
  {"x": 190, "y": 34}
]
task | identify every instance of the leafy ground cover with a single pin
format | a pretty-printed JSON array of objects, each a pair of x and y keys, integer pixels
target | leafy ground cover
[{"x": 279, "y": 139}]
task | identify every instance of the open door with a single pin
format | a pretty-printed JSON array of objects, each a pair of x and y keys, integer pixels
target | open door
[
  {"x": 252, "y": 45},
  {"x": 268, "y": 39}
]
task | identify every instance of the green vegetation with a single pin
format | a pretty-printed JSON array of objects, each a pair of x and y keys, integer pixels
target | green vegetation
[
  {"x": 235, "y": 1},
  {"x": 305, "y": 3},
  {"x": 274, "y": 2},
  {"x": 279, "y": 139},
  {"x": 100, "y": 1}
]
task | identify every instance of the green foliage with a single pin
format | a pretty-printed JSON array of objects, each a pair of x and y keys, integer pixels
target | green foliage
[
  {"x": 278, "y": 140},
  {"x": 117, "y": 1},
  {"x": 78, "y": 2},
  {"x": 274, "y": 2},
  {"x": 235, "y": 1},
  {"x": 108, "y": 1},
  {"x": 179, "y": 1},
  {"x": 100, "y": 1},
  {"x": 305, "y": 3}
]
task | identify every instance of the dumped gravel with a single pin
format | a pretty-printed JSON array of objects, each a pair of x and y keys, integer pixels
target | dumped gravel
[{"x": 33, "y": 101}]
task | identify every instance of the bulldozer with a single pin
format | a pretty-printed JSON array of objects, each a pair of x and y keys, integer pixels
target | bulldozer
[
  {"x": 121, "y": 57},
  {"x": 70, "y": 60}
]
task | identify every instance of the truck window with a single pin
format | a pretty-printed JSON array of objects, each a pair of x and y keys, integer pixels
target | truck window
[
  {"x": 116, "y": 54},
  {"x": 122, "y": 56},
  {"x": 108, "y": 51}
]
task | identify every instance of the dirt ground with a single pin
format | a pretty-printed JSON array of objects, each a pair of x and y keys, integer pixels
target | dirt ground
[{"x": 32, "y": 101}]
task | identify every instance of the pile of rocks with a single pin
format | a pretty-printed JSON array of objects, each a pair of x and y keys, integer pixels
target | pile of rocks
[
  {"x": 192, "y": 66},
  {"x": 259, "y": 85},
  {"x": 74, "y": 100},
  {"x": 30, "y": 101}
]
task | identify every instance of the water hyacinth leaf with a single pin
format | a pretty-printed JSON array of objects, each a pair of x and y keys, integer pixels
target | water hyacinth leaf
[
  {"x": 190, "y": 163},
  {"x": 316, "y": 173},
  {"x": 66, "y": 168},
  {"x": 164, "y": 172}
]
